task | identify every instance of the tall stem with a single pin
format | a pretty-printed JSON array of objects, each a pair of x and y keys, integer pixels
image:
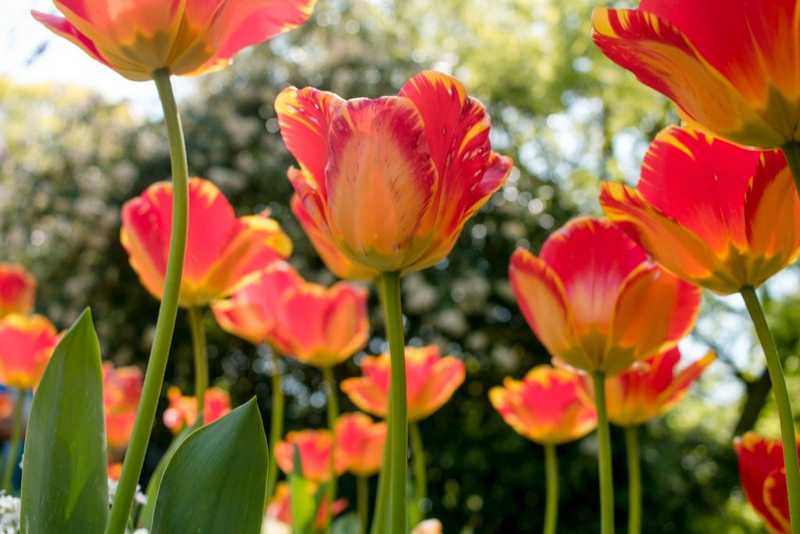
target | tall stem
[
  {"x": 398, "y": 418},
  {"x": 420, "y": 480},
  {"x": 275, "y": 424},
  {"x": 200, "y": 360},
  {"x": 781, "y": 401},
  {"x": 380, "y": 521},
  {"x": 333, "y": 414},
  {"x": 362, "y": 502},
  {"x": 792, "y": 152},
  {"x": 634, "y": 480},
  {"x": 551, "y": 475},
  {"x": 604, "y": 455},
  {"x": 165, "y": 325},
  {"x": 13, "y": 446}
]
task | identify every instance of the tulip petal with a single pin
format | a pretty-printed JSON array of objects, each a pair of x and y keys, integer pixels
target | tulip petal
[
  {"x": 681, "y": 383},
  {"x": 61, "y": 26},
  {"x": 776, "y": 500},
  {"x": 380, "y": 179},
  {"x": 444, "y": 378},
  {"x": 17, "y": 289},
  {"x": 641, "y": 328},
  {"x": 758, "y": 459},
  {"x": 662, "y": 57},
  {"x": 26, "y": 344}
]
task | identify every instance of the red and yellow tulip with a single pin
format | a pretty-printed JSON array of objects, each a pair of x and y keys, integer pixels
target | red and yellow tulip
[
  {"x": 550, "y": 405},
  {"x": 316, "y": 448},
  {"x": 122, "y": 388},
  {"x": 221, "y": 250},
  {"x": 596, "y": 302},
  {"x": 183, "y": 36},
  {"x": 651, "y": 387},
  {"x": 182, "y": 410},
  {"x": 359, "y": 443},
  {"x": 280, "y": 507},
  {"x": 17, "y": 289},
  {"x": 763, "y": 477},
  {"x": 387, "y": 184},
  {"x": 252, "y": 311},
  {"x": 729, "y": 65},
  {"x": 26, "y": 344},
  {"x": 431, "y": 381},
  {"x": 718, "y": 215}
]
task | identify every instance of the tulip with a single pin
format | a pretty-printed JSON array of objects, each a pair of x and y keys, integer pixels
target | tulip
[
  {"x": 122, "y": 388},
  {"x": 763, "y": 476},
  {"x": 182, "y": 410},
  {"x": 221, "y": 249},
  {"x": 550, "y": 406},
  {"x": 26, "y": 344},
  {"x": 727, "y": 219},
  {"x": 597, "y": 304},
  {"x": 384, "y": 188},
  {"x": 180, "y": 36},
  {"x": 280, "y": 508},
  {"x": 316, "y": 451},
  {"x": 17, "y": 290},
  {"x": 645, "y": 391},
  {"x": 360, "y": 443},
  {"x": 114, "y": 471}
]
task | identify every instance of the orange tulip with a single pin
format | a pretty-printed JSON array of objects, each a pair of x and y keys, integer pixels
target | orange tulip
[
  {"x": 389, "y": 182},
  {"x": 6, "y": 405},
  {"x": 221, "y": 250},
  {"x": 651, "y": 388},
  {"x": 323, "y": 326},
  {"x": 114, "y": 471},
  {"x": 359, "y": 443},
  {"x": 720, "y": 216},
  {"x": 761, "y": 470},
  {"x": 26, "y": 344},
  {"x": 280, "y": 507},
  {"x": 729, "y": 65},
  {"x": 136, "y": 38},
  {"x": 252, "y": 310},
  {"x": 122, "y": 388},
  {"x": 315, "y": 454},
  {"x": 430, "y": 382},
  {"x": 182, "y": 410},
  {"x": 596, "y": 302},
  {"x": 17, "y": 289},
  {"x": 550, "y": 405}
]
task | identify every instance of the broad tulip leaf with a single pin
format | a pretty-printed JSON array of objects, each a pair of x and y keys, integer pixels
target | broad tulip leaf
[
  {"x": 216, "y": 480},
  {"x": 65, "y": 470}
]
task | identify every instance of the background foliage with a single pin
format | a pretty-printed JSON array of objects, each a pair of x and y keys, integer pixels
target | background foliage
[{"x": 69, "y": 159}]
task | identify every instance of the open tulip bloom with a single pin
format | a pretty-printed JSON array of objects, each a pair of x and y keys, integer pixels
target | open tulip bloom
[
  {"x": 182, "y": 410},
  {"x": 589, "y": 297},
  {"x": 724, "y": 217},
  {"x": 550, "y": 406},
  {"x": 17, "y": 289}
]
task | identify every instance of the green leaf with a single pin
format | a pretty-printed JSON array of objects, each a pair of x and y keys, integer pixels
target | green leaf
[
  {"x": 65, "y": 470},
  {"x": 216, "y": 480},
  {"x": 347, "y": 524}
]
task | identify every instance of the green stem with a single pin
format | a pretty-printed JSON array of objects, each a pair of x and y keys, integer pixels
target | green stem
[
  {"x": 16, "y": 435},
  {"x": 604, "y": 455},
  {"x": 634, "y": 480},
  {"x": 362, "y": 502},
  {"x": 200, "y": 360},
  {"x": 276, "y": 424},
  {"x": 781, "y": 401},
  {"x": 420, "y": 481},
  {"x": 333, "y": 414},
  {"x": 398, "y": 418},
  {"x": 792, "y": 152},
  {"x": 165, "y": 325},
  {"x": 551, "y": 475},
  {"x": 380, "y": 521}
]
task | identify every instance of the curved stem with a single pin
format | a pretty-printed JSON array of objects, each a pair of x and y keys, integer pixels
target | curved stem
[
  {"x": 781, "y": 401},
  {"x": 551, "y": 474},
  {"x": 200, "y": 360},
  {"x": 362, "y": 502},
  {"x": 604, "y": 455},
  {"x": 165, "y": 325},
  {"x": 379, "y": 519},
  {"x": 398, "y": 418},
  {"x": 420, "y": 481},
  {"x": 333, "y": 414},
  {"x": 792, "y": 152},
  {"x": 13, "y": 447},
  {"x": 275, "y": 424},
  {"x": 634, "y": 480}
]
